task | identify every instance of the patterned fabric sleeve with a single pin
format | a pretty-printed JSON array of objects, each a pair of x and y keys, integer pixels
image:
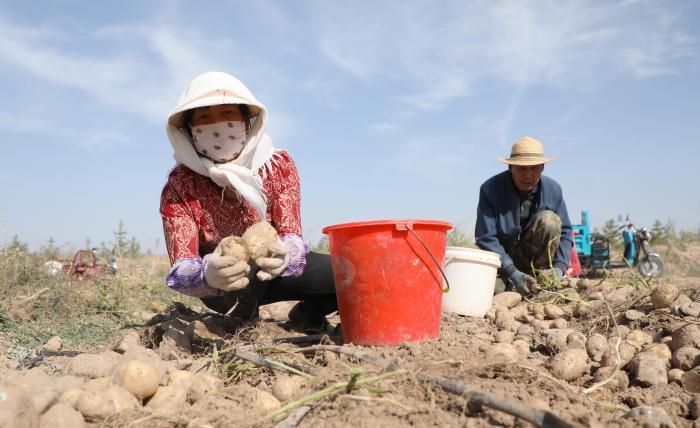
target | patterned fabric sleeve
[
  {"x": 285, "y": 196},
  {"x": 285, "y": 200},
  {"x": 181, "y": 238},
  {"x": 298, "y": 249},
  {"x": 187, "y": 277}
]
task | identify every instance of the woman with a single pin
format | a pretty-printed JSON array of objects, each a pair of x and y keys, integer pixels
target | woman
[{"x": 228, "y": 177}]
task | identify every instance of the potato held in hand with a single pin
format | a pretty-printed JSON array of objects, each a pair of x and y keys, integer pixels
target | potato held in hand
[
  {"x": 235, "y": 246},
  {"x": 258, "y": 239}
]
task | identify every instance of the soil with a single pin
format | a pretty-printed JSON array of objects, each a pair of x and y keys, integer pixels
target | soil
[{"x": 464, "y": 353}]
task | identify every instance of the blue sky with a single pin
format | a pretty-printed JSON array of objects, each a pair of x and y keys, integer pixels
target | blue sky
[{"x": 391, "y": 109}]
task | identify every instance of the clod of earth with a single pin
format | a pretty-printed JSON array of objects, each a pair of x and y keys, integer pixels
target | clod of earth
[{"x": 688, "y": 335}]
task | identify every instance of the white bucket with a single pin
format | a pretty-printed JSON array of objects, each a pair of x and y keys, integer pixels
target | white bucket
[{"x": 472, "y": 276}]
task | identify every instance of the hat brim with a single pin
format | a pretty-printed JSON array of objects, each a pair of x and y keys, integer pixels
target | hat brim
[
  {"x": 175, "y": 117},
  {"x": 527, "y": 161}
]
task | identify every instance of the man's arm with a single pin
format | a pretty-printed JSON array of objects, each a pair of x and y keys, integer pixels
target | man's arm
[
  {"x": 563, "y": 255},
  {"x": 485, "y": 232}
]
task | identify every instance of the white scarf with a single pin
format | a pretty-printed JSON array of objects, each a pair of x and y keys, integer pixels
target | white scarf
[{"x": 243, "y": 173}]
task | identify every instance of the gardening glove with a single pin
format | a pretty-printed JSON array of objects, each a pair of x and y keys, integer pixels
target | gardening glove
[
  {"x": 273, "y": 266},
  {"x": 522, "y": 282},
  {"x": 225, "y": 272}
]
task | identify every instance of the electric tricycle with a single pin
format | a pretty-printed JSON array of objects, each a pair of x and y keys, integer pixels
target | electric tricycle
[{"x": 593, "y": 249}]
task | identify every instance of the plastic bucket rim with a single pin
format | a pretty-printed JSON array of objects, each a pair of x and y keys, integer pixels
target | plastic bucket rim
[
  {"x": 356, "y": 224},
  {"x": 478, "y": 255}
]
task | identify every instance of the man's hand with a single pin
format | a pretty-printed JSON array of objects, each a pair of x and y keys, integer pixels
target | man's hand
[
  {"x": 225, "y": 272},
  {"x": 522, "y": 282},
  {"x": 273, "y": 266}
]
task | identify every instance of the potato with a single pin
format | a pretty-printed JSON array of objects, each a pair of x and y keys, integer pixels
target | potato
[
  {"x": 235, "y": 246},
  {"x": 286, "y": 387},
  {"x": 137, "y": 377},
  {"x": 181, "y": 378},
  {"x": 168, "y": 398},
  {"x": 258, "y": 239},
  {"x": 266, "y": 402},
  {"x": 674, "y": 375},
  {"x": 70, "y": 396},
  {"x": 596, "y": 346},
  {"x": 120, "y": 398},
  {"x": 16, "y": 407},
  {"x": 61, "y": 415},
  {"x": 570, "y": 364},
  {"x": 502, "y": 351},
  {"x": 94, "y": 405},
  {"x": 664, "y": 295},
  {"x": 553, "y": 312}
]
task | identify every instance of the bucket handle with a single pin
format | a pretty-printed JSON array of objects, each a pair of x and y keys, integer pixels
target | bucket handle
[{"x": 409, "y": 227}]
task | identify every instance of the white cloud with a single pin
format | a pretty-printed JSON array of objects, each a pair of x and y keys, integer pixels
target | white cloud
[
  {"x": 444, "y": 50},
  {"x": 382, "y": 127}
]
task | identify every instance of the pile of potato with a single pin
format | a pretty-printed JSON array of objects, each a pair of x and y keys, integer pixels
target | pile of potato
[
  {"x": 671, "y": 354},
  {"x": 97, "y": 386}
]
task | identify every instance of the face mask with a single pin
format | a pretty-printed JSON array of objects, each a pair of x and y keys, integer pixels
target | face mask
[{"x": 221, "y": 141}]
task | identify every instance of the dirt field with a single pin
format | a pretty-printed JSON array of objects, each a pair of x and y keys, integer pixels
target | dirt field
[{"x": 540, "y": 359}]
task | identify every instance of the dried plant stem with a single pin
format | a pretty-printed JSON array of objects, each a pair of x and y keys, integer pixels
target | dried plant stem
[
  {"x": 294, "y": 417},
  {"x": 332, "y": 389},
  {"x": 376, "y": 399},
  {"x": 272, "y": 364},
  {"x": 617, "y": 354}
]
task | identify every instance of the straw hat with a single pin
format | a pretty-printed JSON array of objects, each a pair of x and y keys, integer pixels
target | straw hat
[{"x": 527, "y": 151}]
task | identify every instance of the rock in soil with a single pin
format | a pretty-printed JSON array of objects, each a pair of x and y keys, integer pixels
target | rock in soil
[
  {"x": 53, "y": 344},
  {"x": 691, "y": 380},
  {"x": 688, "y": 335},
  {"x": 649, "y": 417},
  {"x": 686, "y": 358},
  {"x": 648, "y": 369}
]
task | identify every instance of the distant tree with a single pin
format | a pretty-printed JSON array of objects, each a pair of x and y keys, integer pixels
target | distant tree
[
  {"x": 88, "y": 244},
  {"x": 322, "y": 246},
  {"x": 458, "y": 238},
  {"x": 658, "y": 232},
  {"x": 610, "y": 230},
  {"x": 134, "y": 249},
  {"x": 120, "y": 241},
  {"x": 670, "y": 230},
  {"x": 17, "y": 246},
  {"x": 50, "y": 250}
]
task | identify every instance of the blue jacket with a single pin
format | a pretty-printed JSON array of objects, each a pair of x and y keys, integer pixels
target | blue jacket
[{"x": 497, "y": 221}]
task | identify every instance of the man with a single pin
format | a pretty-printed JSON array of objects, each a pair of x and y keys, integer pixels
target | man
[{"x": 522, "y": 217}]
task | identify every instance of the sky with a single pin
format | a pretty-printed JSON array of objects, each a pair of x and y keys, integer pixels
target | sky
[{"x": 391, "y": 109}]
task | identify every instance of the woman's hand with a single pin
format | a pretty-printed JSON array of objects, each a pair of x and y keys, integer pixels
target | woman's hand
[
  {"x": 273, "y": 266},
  {"x": 225, "y": 272}
]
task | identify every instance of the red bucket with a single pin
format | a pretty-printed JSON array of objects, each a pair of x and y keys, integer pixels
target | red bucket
[{"x": 388, "y": 279}]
